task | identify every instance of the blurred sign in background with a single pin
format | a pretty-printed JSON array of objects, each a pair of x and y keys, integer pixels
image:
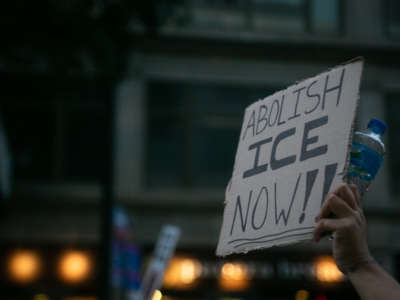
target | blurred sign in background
[{"x": 140, "y": 103}]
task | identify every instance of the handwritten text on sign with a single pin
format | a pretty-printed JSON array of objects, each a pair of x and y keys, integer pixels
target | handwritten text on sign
[{"x": 292, "y": 151}]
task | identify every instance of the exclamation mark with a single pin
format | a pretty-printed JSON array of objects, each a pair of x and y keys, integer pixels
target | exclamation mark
[
  {"x": 330, "y": 172},
  {"x": 311, "y": 175}
]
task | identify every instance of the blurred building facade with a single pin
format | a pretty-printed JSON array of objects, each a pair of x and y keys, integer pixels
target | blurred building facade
[{"x": 177, "y": 116}]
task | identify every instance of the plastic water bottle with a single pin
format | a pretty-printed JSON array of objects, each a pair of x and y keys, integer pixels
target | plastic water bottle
[{"x": 366, "y": 155}]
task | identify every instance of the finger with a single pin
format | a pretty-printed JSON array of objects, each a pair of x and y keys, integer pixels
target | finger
[
  {"x": 329, "y": 195},
  {"x": 344, "y": 192},
  {"x": 356, "y": 193},
  {"x": 335, "y": 205},
  {"x": 325, "y": 226}
]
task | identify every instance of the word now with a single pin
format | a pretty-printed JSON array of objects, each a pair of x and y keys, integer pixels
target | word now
[{"x": 258, "y": 202}]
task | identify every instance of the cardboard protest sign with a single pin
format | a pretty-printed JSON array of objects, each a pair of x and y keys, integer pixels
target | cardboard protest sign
[
  {"x": 165, "y": 248},
  {"x": 292, "y": 151}
]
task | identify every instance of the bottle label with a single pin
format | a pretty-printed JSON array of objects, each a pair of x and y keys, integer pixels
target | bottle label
[{"x": 366, "y": 159}]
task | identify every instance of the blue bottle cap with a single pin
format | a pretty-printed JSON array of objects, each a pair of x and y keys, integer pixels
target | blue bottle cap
[{"x": 377, "y": 126}]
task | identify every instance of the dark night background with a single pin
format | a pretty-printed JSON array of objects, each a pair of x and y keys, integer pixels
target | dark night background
[{"x": 138, "y": 104}]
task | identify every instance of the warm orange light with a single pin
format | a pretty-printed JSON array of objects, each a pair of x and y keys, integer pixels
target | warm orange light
[
  {"x": 24, "y": 266},
  {"x": 75, "y": 266},
  {"x": 302, "y": 295},
  {"x": 234, "y": 277},
  {"x": 157, "y": 295},
  {"x": 41, "y": 297},
  {"x": 182, "y": 273},
  {"x": 326, "y": 270}
]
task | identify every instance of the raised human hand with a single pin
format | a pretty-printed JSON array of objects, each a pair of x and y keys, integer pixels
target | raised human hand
[{"x": 342, "y": 216}]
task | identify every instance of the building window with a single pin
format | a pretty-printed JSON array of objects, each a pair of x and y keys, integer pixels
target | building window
[
  {"x": 193, "y": 131},
  {"x": 325, "y": 16},
  {"x": 217, "y": 14},
  {"x": 392, "y": 18},
  {"x": 275, "y": 15},
  {"x": 56, "y": 128},
  {"x": 393, "y": 141},
  {"x": 261, "y": 16}
]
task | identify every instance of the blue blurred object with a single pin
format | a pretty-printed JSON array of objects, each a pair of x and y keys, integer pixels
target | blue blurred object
[
  {"x": 366, "y": 155},
  {"x": 5, "y": 166},
  {"x": 126, "y": 258}
]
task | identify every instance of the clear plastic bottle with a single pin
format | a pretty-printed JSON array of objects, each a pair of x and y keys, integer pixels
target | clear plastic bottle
[{"x": 366, "y": 155}]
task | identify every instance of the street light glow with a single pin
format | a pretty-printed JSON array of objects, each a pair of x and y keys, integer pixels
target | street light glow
[
  {"x": 75, "y": 266},
  {"x": 302, "y": 295},
  {"x": 234, "y": 276},
  {"x": 24, "y": 266},
  {"x": 157, "y": 295},
  {"x": 182, "y": 273},
  {"x": 326, "y": 270}
]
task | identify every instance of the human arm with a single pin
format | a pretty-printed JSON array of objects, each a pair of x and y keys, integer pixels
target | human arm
[{"x": 350, "y": 248}]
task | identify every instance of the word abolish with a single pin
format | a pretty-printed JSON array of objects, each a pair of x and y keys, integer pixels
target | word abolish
[{"x": 304, "y": 99}]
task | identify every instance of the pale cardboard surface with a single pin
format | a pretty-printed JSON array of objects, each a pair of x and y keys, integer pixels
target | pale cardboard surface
[{"x": 302, "y": 137}]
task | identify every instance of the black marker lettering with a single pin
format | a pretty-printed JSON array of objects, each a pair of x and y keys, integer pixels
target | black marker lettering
[
  {"x": 271, "y": 110},
  {"x": 330, "y": 172},
  {"x": 337, "y": 87},
  {"x": 282, "y": 213},
  {"x": 260, "y": 118},
  {"x": 239, "y": 207},
  {"x": 263, "y": 189},
  {"x": 250, "y": 124},
  {"x": 257, "y": 168},
  {"x": 308, "y": 126},
  {"x": 311, "y": 175},
  {"x": 298, "y": 91},
  {"x": 280, "y": 122},
  {"x": 310, "y": 95},
  {"x": 279, "y": 163}
]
